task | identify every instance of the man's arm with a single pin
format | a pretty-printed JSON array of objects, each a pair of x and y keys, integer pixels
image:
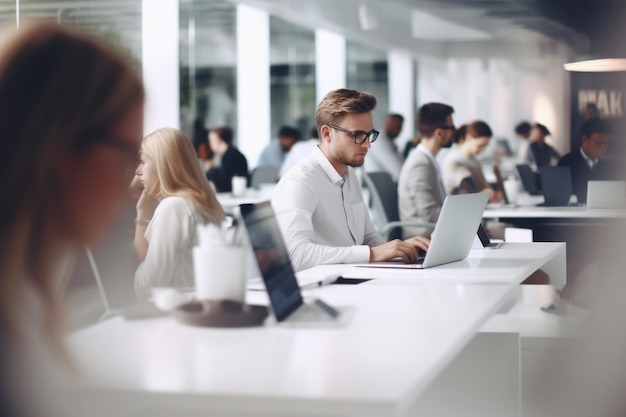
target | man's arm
[
  {"x": 424, "y": 187},
  {"x": 294, "y": 203}
]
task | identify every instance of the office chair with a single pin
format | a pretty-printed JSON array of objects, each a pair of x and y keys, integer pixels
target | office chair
[
  {"x": 384, "y": 205},
  {"x": 263, "y": 175}
]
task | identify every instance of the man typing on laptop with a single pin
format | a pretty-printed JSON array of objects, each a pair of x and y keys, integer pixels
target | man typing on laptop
[
  {"x": 319, "y": 204},
  {"x": 586, "y": 163}
]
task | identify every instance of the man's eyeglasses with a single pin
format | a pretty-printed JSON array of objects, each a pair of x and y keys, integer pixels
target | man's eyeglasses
[
  {"x": 359, "y": 136},
  {"x": 599, "y": 143},
  {"x": 447, "y": 127}
]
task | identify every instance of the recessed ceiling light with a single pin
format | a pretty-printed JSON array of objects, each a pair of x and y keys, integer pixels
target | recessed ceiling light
[{"x": 597, "y": 65}]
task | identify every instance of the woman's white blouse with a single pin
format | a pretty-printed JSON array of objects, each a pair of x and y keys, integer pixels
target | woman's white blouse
[{"x": 171, "y": 235}]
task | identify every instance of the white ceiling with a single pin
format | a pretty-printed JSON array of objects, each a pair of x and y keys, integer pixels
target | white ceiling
[{"x": 422, "y": 27}]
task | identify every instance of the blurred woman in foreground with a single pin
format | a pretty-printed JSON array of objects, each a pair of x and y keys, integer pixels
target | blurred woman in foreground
[{"x": 71, "y": 112}]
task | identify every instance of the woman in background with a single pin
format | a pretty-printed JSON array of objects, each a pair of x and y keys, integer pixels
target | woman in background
[
  {"x": 543, "y": 154},
  {"x": 71, "y": 114},
  {"x": 461, "y": 170},
  {"x": 176, "y": 198}
]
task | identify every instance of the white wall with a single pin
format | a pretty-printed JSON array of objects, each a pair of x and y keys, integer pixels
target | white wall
[
  {"x": 160, "y": 63},
  {"x": 253, "y": 81},
  {"x": 400, "y": 66},
  {"x": 330, "y": 62},
  {"x": 501, "y": 91}
]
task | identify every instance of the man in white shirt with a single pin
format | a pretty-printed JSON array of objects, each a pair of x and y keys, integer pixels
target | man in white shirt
[
  {"x": 299, "y": 150},
  {"x": 523, "y": 131},
  {"x": 274, "y": 153},
  {"x": 318, "y": 202},
  {"x": 384, "y": 155},
  {"x": 420, "y": 188}
]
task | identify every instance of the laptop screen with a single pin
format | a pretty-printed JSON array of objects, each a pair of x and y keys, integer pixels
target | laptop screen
[{"x": 272, "y": 257}]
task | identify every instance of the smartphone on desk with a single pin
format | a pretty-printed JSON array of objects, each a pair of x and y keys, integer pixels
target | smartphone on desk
[{"x": 349, "y": 281}]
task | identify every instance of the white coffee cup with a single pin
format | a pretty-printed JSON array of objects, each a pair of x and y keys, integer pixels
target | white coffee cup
[
  {"x": 220, "y": 273},
  {"x": 239, "y": 186}
]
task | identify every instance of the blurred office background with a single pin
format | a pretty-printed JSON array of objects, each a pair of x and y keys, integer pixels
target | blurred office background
[{"x": 258, "y": 64}]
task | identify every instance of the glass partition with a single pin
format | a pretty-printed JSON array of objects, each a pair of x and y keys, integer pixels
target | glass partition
[
  {"x": 367, "y": 71},
  {"x": 117, "y": 21},
  {"x": 208, "y": 64},
  {"x": 292, "y": 76}
]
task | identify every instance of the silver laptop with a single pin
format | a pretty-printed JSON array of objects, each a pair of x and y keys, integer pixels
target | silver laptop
[
  {"x": 454, "y": 232},
  {"x": 278, "y": 275},
  {"x": 606, "y": 194}
]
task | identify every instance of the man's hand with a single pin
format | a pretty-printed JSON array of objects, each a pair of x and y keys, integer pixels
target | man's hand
[{"x": 407, "y": 249}]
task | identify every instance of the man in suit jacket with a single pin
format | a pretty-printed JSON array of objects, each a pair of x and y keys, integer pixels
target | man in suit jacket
[
  {"x": 420, "y": 189},
  {"x": 585, "y": 163}
]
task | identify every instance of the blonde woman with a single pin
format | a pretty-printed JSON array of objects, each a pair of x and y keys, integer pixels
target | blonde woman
[
  {"x": 176, "y": 198},
  {"x": 71, "y": 122}
]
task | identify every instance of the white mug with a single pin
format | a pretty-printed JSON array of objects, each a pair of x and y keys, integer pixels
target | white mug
[
  {"x": 240, "y": 185},
  {"x": 220, "y": 273}
]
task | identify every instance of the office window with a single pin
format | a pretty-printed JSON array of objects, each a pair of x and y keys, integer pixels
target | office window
[
  {"x": 208, "y": 64},
  {"x": 8, "y": 12},
  {"x": 117, "y": 21},
  {"x": 292, "y": 76},
  {"x": 367, "y": 71}
]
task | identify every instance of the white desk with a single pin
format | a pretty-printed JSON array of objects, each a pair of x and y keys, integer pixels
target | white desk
[
  {"x": 510, "y": 264},
  {"x": 252, "y": 196},
  {"x": 400, "y": 338},
  {"x": 553, "y": 213}
]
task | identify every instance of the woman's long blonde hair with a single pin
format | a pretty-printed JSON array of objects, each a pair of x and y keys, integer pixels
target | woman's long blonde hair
[
  {"x": 179, "y": 173},
  {"x": 61, "y": 91}
]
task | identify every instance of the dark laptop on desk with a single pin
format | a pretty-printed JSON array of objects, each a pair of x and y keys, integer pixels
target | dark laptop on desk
[
  {"x": 528, "y": 178},
  {"x": 484, "y": 239},
  {"x": 556, "y": 183},
  {"x": 278, "y": 273},
  {"x": 454, "y": 232}
]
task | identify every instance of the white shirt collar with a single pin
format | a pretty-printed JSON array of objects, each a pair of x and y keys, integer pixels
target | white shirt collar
[
  {"x": 328, "y": 168},
  {"x": 589, "y": 161},
  {"x": 423, "y": 149}
]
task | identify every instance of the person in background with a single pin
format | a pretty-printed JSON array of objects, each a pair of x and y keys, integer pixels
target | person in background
[
  {"x": 591, "y": 111},
  {"x": 461, "y": 163},
  {"x": 201, "y": 144},
  {"x": 543, "y": 154},
  {"x": 585, "y": 163},
  {"x": 384, "y": 155},
  {"x": 232, "y": 162},
  {"x": 420, "y": 189},
  {"x": 410, "y": 145},
  {"x": 79, "y": 104},
  {"x": 300, "y": 150},
  {"x": 522, "y": 131},
  {"x": 176, "y": 198},
  {"x": 274, "y": 153},
  {"x": 319, "y": 203}
]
